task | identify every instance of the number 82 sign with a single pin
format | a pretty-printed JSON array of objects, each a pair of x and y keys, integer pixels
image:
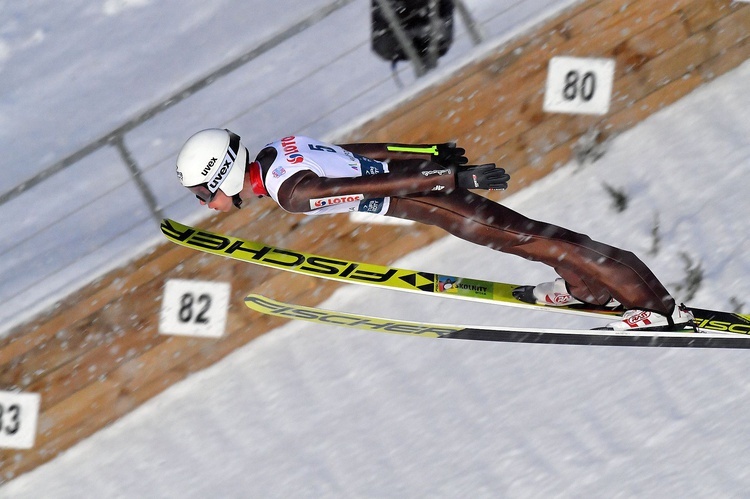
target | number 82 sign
[
  {"x": 194, "y": 308},
  {"x": 579, "y": 85}
]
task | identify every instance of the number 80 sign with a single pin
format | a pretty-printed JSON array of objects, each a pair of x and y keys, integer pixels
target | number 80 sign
[
  {"x": 194, "y": 308},
  {"x": 579, "y": 85}
]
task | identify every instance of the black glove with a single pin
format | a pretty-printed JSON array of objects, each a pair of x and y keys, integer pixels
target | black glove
[
  {"x": 482, "y": 177},
  {"x": 447, "y": 154}
]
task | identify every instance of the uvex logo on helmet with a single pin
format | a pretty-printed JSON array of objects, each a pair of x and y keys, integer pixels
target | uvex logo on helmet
[
  {"x": 219, "y": 177},
  {"x": 291, "y": 151},
  {"x": 208, "y": 167},
  {"x": 221, "y": 174}
]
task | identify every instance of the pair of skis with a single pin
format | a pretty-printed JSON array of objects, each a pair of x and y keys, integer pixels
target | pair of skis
[{"x": 715, "y": 329}]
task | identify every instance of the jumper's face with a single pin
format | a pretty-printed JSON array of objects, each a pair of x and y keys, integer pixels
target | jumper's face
[{"x": 220, "y": 202}]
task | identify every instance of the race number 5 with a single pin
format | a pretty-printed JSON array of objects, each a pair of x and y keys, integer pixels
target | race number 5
[
  {"x": 579, "y": 85},
  {"x": 18, "y": 416},
  {"x": 194, "y": 308}
]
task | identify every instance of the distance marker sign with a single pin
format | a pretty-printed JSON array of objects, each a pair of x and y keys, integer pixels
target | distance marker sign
[
  {"x": 18, "y": 419},
  {"x": 579, "y": 85},
  {"x": 194, "y": 308}
]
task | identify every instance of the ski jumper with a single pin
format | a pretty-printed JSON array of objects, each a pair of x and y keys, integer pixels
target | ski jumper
[{"x": 304, "y": 175}]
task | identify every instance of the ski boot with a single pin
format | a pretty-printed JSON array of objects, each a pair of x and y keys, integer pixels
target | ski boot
[
  {"x": 555, "y": 294},
  {"x": 638, "y": 320}
]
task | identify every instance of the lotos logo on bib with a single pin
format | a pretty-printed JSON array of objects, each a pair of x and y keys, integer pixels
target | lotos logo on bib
[
  {"x": 291, "y": 151},
  {"x": 346, "y": 198}
]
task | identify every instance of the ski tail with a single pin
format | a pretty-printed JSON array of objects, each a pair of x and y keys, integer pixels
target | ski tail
[{"x": 714, "y": 320}]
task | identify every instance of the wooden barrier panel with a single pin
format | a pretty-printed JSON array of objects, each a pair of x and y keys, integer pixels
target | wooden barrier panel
[
  {"x": 98, "y": 355},
  {"x": 662, "y": 49}
]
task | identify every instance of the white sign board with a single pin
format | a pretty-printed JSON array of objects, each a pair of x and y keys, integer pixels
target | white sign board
[
  {"x": 194, "y": 308},
  {"x": 579, "y": 85},
  {"x": 18, "y": 416}
]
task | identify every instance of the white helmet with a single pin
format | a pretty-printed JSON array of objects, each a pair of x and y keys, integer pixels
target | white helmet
[{"x": 212, "y": 159}]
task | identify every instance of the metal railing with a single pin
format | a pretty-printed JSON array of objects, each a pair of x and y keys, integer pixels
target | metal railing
[{"x": 115, "y": 138}]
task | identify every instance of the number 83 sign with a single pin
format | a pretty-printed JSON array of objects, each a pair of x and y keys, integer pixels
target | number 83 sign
[
  {"x": 194, "y": 308},
  {"x": 579, "y": 85}
]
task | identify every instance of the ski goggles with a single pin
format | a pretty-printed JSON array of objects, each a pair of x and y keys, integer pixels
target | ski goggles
[
  {"x": 203, "y": 193},
  {"x": 206, "y": 191}
]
